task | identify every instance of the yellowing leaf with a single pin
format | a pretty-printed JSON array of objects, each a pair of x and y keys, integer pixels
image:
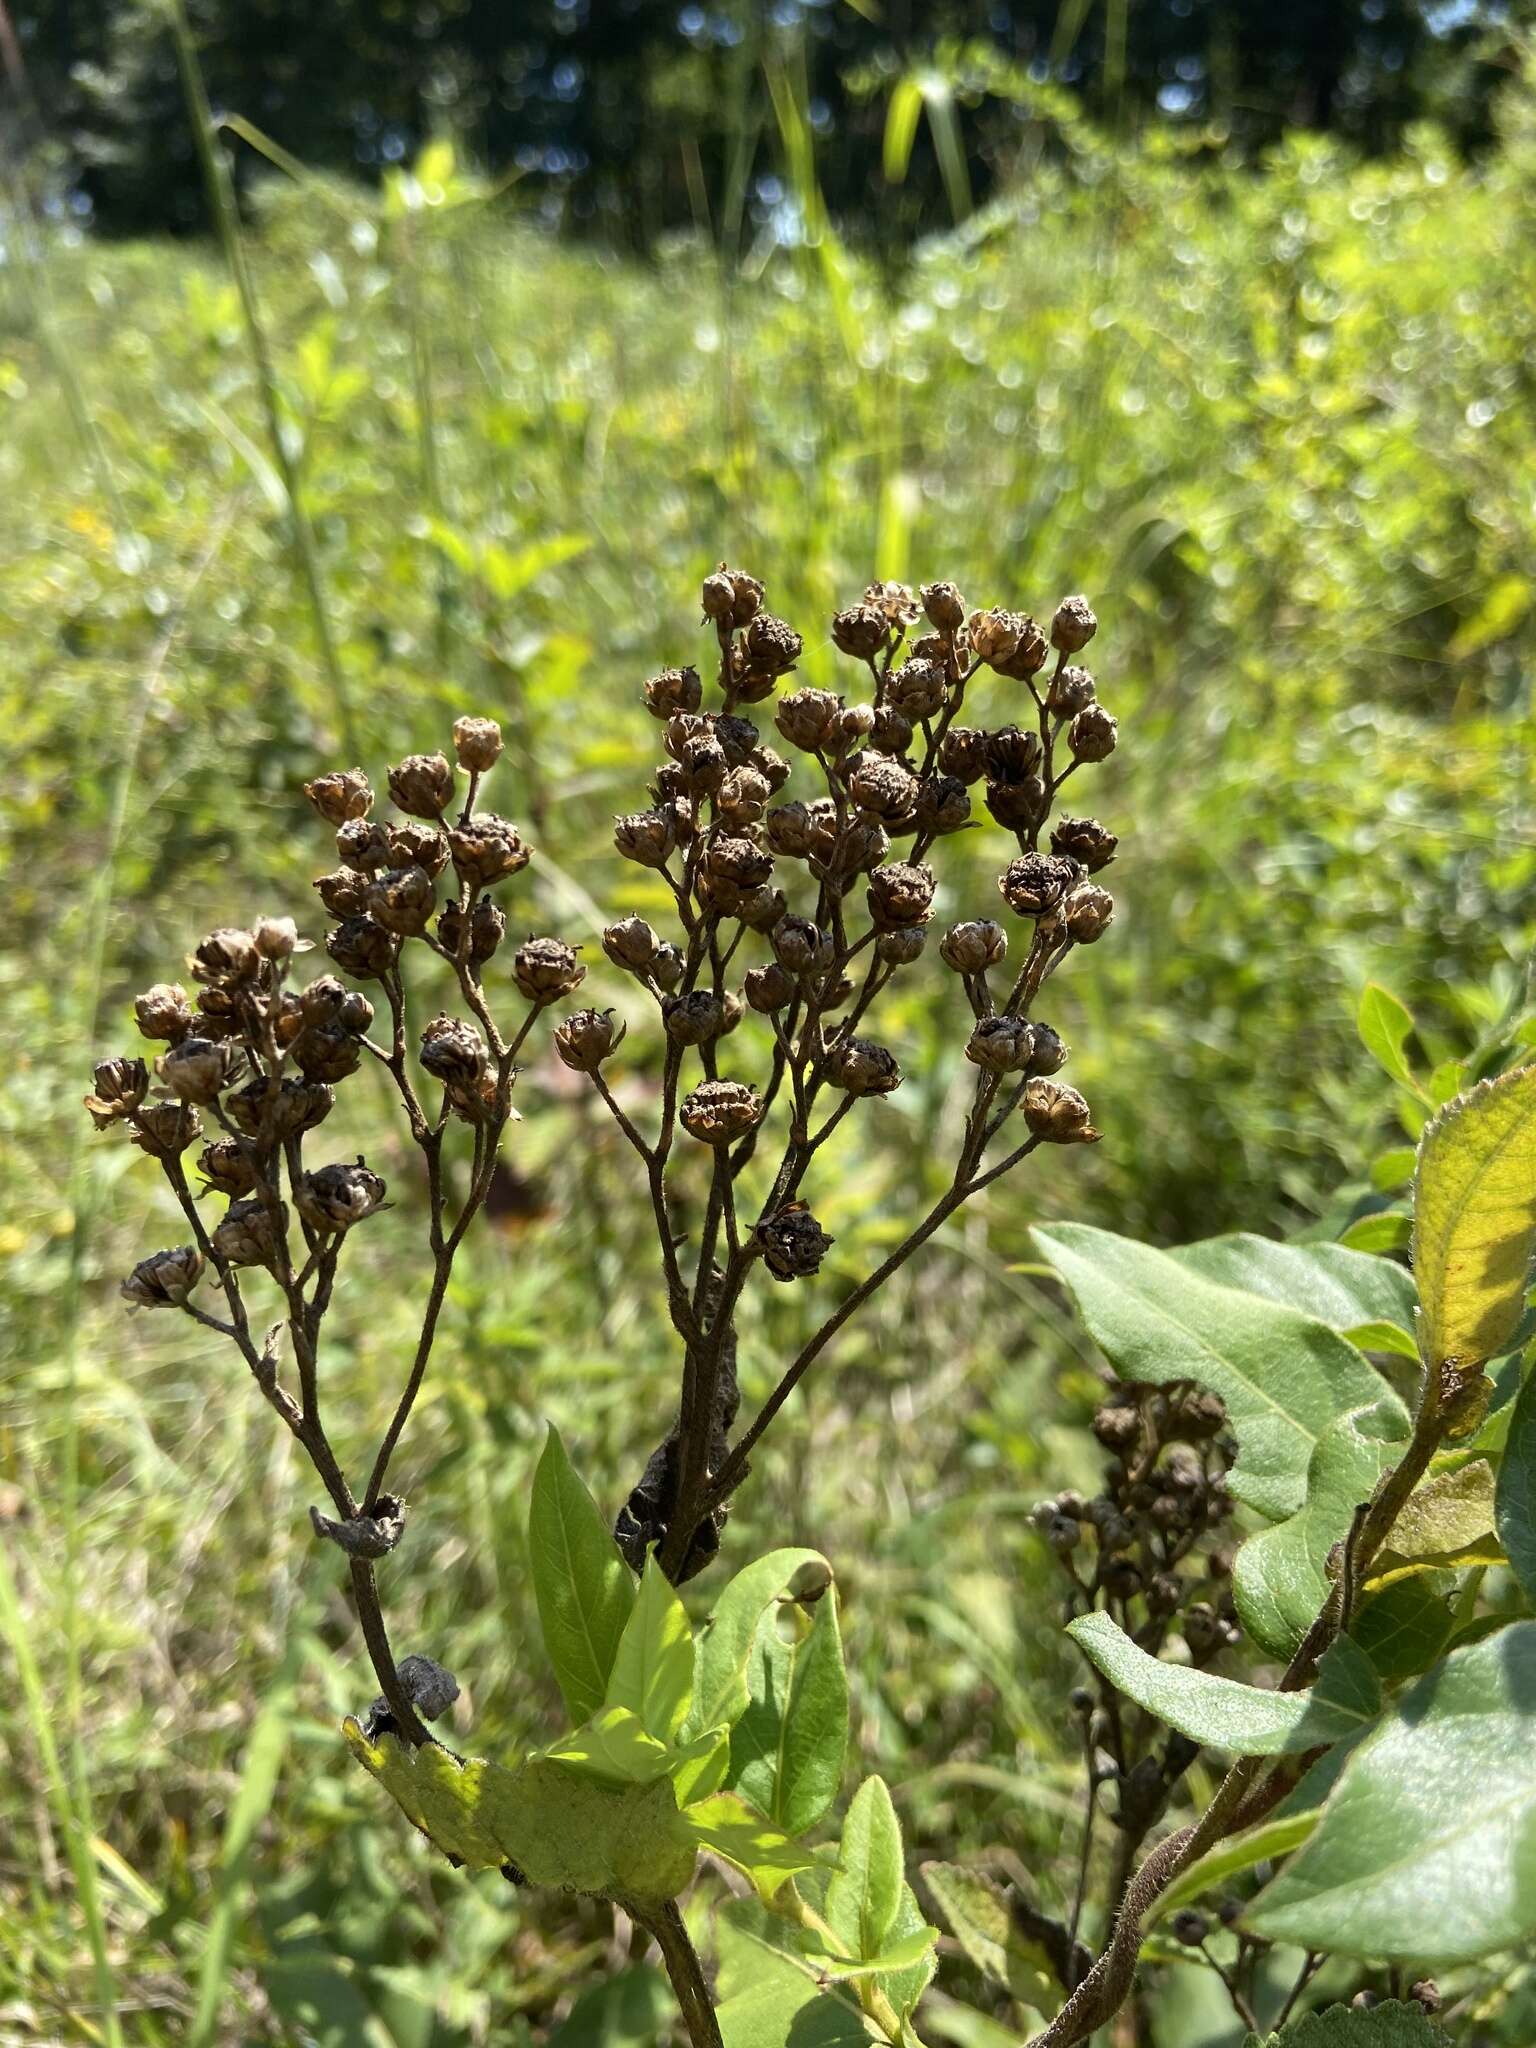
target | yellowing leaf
[{"x": 1474, "y": 1225}]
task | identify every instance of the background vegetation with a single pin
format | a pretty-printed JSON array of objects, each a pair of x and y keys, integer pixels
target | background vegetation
[{"x": 1274, "y": 421}]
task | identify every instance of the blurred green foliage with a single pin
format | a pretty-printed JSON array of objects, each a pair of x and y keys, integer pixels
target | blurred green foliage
[{"x": 1277, "y": 428}]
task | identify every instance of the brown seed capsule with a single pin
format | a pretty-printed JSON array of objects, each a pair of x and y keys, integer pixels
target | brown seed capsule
[
  {"x": 1085, "y": 840},
  {"x": 943, "y": 804},
  {"x": 1092, "y": 734},
  {"x": 277, "y": 938},
  {"x": 761, "y": 908},
  {"x": 773, "y": 646},
  {"x": 402, "y": 900},
  {"x": 855, "y": 723},
  {"x": 327, "y": 1052},
  {"x": 270, "y": 1111},
  {"x": 729, "y": 858},
  {"x": 1000, "y": 1045},
  {"x": 333, "y": 1198},
  {"x": 771, "y": 766},
  {"x": 1074, "y": 625},
  {"x": 1117, "y": 1427},
  {"x": 1058, "y": 1114},
  {"x": 1087, "y": 913},
  {"x": 363, "y": 844},
  {"x": 648, "y": 837},
  {"x": 801, "y": 947},
  {"x": 247, "y": 1235},
  {"x": 731, "y": 597},
  {"x": 344, "y": 794},
  {"x": 631, "y": 943},
  {"x": 162, "y": 1129},
  {"x": 1012, "y": 755},
  {"x": 900, "y": 893},
  {"x": 794, "y": 1243},
  {"x": 944, "y": 606},
  {"x": 716, "y": 1112},
  {"x": 862, "y": 631},
  {"x": 895, "y": 600},
  {"x": 1035, "y": 883},
  {"x": 883, "y": 787},
  {"x": 1050, "y": 1053},
  {"x": 422, "y": 785},
  {"x": 227, "y": 1167},
  {"x": 163, "y": 1011},
  {"x": 1071, "y": 690},
  {"x": 667, "y": 967},
  {"x": 963, "y": 753},
  {"x": 164, "y": 1279},
  {"x": 974, "y": 946},
  {"x": 807, "y": 718},
  {"x": 1028, "y": 654},
  {"x": 477, "y": 744},
  {"x": 892, "y": 731},
  {"x": 1426, "y": 1993},
  {"x": 546, "y": 968},
  {"x": 742, "y": 797},
  {"x": 587, "y": 1037},
  {"x": 361, "y": 947},
  {"x": 862, "y": 1067},
  {"x": 1019, "y": 806},
  {"x": 694, "y": 1019},
  {"x": 487, "y": 928},
  {"x": 487, "y": 850},
  {"x": 453, "y": 1052},
  {"x": 121, "y": 1086},
  {"x": 903, "y": 944},
  {"x": 917, "y": 689},
  {"x": 344, "y": 892},
  {"x": 994, "y": 635},
  {"x": 672, "y": 690},
  {"x": 418, "y": 846},
  {"x": 356, "y": 1012},
  {"x": 227, "y": 958},
  {"x": 198, "y": 1069},
  {"x": 788, "y": 827},
  {"x": 768, "y": 988}
]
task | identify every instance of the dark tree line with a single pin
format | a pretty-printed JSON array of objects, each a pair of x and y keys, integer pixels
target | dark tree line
[{"x": 631, "y": 117}]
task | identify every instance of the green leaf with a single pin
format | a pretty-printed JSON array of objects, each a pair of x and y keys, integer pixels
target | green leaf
[
  {"x": 900, "y": 1955},
  {"x": 865, "y": 1888},
  {"x": 583, "y": 1587},
  {"x": 724, "y": 1644},
  {"x": 1447, "y": 1512},
  {"x": 1474, "y": 1225},
  {"x": 905, "y": 1986},
  {"x": 1392, "y": 2025},
  {"x": 1267, "y": 1843},
  {"x": 1385, "y": 1026},
  {"x": 1424, "y": 1852},
  {"x": 1241, "y": 1718},
  {"x": 701, "y": 1767},
  {"x": 787, "y": 1749},
  {"x": 976, "y": 1912},
  {"x": 1278, "y": 1578},
  {"x": 1403, "y": 1629},
  {"x": 1389, "y": 1230},
  {"x": 613, "y": 1746},
  {"x": 652, "y": 1671},
  {"x": 1383, "y": 1336},
  {"x": 772, "y": 1998},
  {"x": 1515, "y": 1498},
  {"x": 729, "y": 1827},
  {"x": 627, "y": 2010},
  {"x": 1336, "y": 1286},
  {"x": 1394, "y": 1169},
  {"x": 1284, "y": 1376}
]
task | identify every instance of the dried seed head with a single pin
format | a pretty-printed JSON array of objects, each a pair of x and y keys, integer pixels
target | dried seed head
[
  {"x": 344, "y": 794},
  {"x": 1092, "y": 734},
  {"x": 891, "y": 732},
  {"x": 402, "y": 900},
  {"x": 487, "y": 928},
  {"x": 1028, "y": 654},
  {"x": 1074, "y": 625},
  {"x": 794, "y": 1243},
  {"x": 900, "y": 893},
  {"x": 1050, "y": 1053},
  {"x": 343, "y": 892},
  {"x": 270, "y": 1111},
  {"x": 1085, "y": 840},
  {"x": 361, "y": 947},
  {"x": 773, "y": 646},
  {"x": 704, "y": 763},
  {"x": 428, "y": 1685},
  {"x": 648, "y": 837},
  {"x": 121, "y": 1086},
  {"x": 862, "y": 631},
  {"x": 164, "y": 1279},
  {"x": 917, "y": 689},
  {"x": 1019, "y": 806},
  {"x": 772, "y": 767},
  {"x": 162, "y": 1129},
  {"x": 1035, "y": 883},
  {"x": 546, "y": 969},
  {"x": 333, "y": 1198},
  {"x": 163, "y": 1011},
  {"x": 227, "y": 1168},
  {"x": 994, "y": 635},
  {"x": 761, "y": 908},
  {"x": 199, "y": 1069},
  {"x": 363, "y": 844},
  {"x": 1000, "y": 1045},
  {"x": 1071, "y": 690},
  {"x": 487, "y": 850},
  {"x": 1117, "y": 1427},
  {"x": 277, "y": 938},
  {"x": 729, "y": 858},
  {"x": 902, "y": 945},
  {"x": 864, "y": 1068},
  {"x": 895, "y": 600},
  {"x": 807, "y": 718},
  {"x": 731, "y": 597},
  {"x": 854, "y": 723},
  {"x": 1057, "y": 1114},
  {"x": 883, "y": 787},
  {"x": 673, "y": 690},
  {"x": 694, "y": 1019},
  {"x": 422, "y": 785},
  {"x": 453, "y": 1052},
  {"x": 788, "y": 827},
  {"x": 631, "y": 943},
  {"x": 769, "y": 988},
  {"x": 587, "y": 1037},
  {"x": 477, "y": 744},
  {"x": 943, "y": 804},
  {"x": 327, "y": 1052},
  {"x": 367, "y": 1533},
  {"x": 801, "y": 947},
  {"x": 963, "y": 753},
  {"x": 1012, "y": 755},
  {"x": 418, "y": 846},
  {"x": 945, "y": 606},
  {"x": 667, "y": 967},
  {"x": 227, "y": 958},
  {"x": 718, "y": 1111},
  {"x": 974, "y": 946},
  {"x": 247, "y": 1234},
  {"x": 742, "y": 797},
  {"x": 1087, "y": 913}
]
